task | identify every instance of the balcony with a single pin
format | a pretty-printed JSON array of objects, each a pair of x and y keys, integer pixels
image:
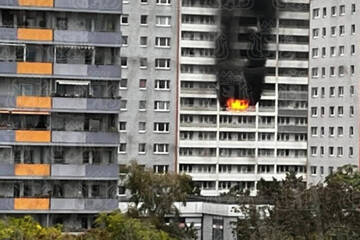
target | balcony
[
  {"x": 34, "y": 34},
  {"x": 83, "y": 70},
  {"x": 68, "y": 137},
  {"x": 38, "y": 68},
  {"x": 33, "y": 102},
  {"x": 87, "y": 37},
  {"x": 32, "y": 170},
  {"x": 292, "y": 129},
  {"x": 31, "y": 204},
  {"x": 84, "y": 5},
  {"x": 97, "y": 105},
  {"x": 33, "y": 136},
  {"x": 82, "y": 171}
]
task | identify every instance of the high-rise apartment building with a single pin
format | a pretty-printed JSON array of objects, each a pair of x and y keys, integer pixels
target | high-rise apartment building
[
  {"x": 170, "y": 47},
  {"x": 221, "y": 149},
  {"x": 333, "y": 87},
  {"x": 59, "y": 107},
  {"x": 149, "y": 83}
]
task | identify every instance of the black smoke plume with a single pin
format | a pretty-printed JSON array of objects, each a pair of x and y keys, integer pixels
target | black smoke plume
[{"x": 241, "y": 74}]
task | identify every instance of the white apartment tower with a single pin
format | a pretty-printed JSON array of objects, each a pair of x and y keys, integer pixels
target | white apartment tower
[
  {"x": 222, "y": 149},
  {"x": 333, "y": 87}
]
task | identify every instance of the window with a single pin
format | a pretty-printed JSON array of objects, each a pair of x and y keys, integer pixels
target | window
[
  {"x": 314, "y": 92},
  {"x": 324, "y": 12},
  {"x": 342, "y": 30},
  {"x": 352, "y": 90},
  {"x": 322, "y": 111},
  {"x": 315, "y": 72},
  {"x": 315, "y": 32},
  {"x": 123, "y": 104},
  {"x": 332, "y": 51},
  {"x": 340, "y": 131},
  {"x": 143, "y": 1},
  {"x": 351, "y": 151},
  {"x": 331, "y": 170},
  {"x": 331, "y": 151},
  {"x": 315, "y": 52},
  {"x": 332, "y": 91},
  {"x": 142, "y": 148},
  {"x": 162, "y": 84},
  {"x": 316, "y": 12},
  {"x": 163, "y": 2},
  {"x": 322, "y": 131},
  {"x": 122, "y": 126},
  {"x": 162, "y": 42},
  {"x": 142, "y": 83},
  {"x": 333, "y": 31},
  {"x": 124, "y": 41},
  {"x": 123, "y": 83},
  {"x": 322, "y": 170},
  {"x": 333, "y": 11},
  {"x": 332, "y": 71},
  {"x": 352, "y": 69},
  {"x": 353, "y": 49},
  {"x": 143, "y": 19},
  {"x": 342, "y": 10},
  {"x": 353, "y": 28},
  {"x": 163, "y": 21},
  {"x": 124, "y": 62},
  {"x": 161, "y": 127},
  {"x": 324, "y": 31},
  {"x": 351, "y": 111},
  {"x": 142, "y": 105},
  {"x": 161, "y": 105},
  {"x": 160, "y": 148},
  {"x": 314, "y": 131},
  {"x": 314, "y": 111},
  {"x": 143, "y": 63},
  {"x": 322, "y": 151},
  {"x": 340, "y": 151},
  {"x": 323, "y": 52},
  {"x": 162, "y": 63},
  {"x": 142, "y": 126},
  {"x": 322, "y": 91},
  {"x": 161, "y": 169},
  {"x": 124, "y": 19},
  {"x": 341, "y": 50},
  {"x": 341, "y": 91},
  {"x": 341, "y": 70},
  {"x": 122, "y": 148},
  {"x": 332, "y": 111},
  {"x": 323, "y": 72},
  {"x": 331, "y": 131},
  {"x": 351, "y": 131},
  {"x": 353, "y": 8},
  {"x": 143, "y": 41},
  {"x": 313, "y": 170}
]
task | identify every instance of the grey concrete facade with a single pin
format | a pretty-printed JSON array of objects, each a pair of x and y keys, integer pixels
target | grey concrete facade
[
  {"x": 150, "y": 33},
  {"x": 333, "y": 87},
  {"x": 59, "y": 109}
]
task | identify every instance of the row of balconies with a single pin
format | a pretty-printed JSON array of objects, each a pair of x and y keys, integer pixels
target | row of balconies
[
  {"x": 60, "y": 104},
  {"x": 59, "y": 137},
  {"x": 71, "y": 5},
  {"x": 61, "y": 36},
  {"x": 59, "y": 171},
  {"x": 57, "y": 204},
  {"x": 60, "y": 70}
]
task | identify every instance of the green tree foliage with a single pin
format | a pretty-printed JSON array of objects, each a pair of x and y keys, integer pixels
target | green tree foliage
[
  {"x": 325, "y": 211},
  {"x": 154, "y": 196}
]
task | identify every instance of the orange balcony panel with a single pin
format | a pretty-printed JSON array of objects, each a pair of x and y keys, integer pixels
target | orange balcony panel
[
  {"x": 33, "y": 102},
  {"x": 32, "y": 170},
  {"x": 31, "y": 204},
  {"x": 35, "y": 34},
  {"x": 37, "y": 3},
  {"x": 34, "y": 68},
  {"x": 32, "y": 136}
]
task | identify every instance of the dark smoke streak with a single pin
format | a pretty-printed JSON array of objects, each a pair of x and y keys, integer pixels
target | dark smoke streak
[{"x": 243, "y": 78}]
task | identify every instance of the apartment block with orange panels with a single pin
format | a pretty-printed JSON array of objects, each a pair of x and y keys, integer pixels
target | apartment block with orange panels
[{"x": 59, "y": 105}]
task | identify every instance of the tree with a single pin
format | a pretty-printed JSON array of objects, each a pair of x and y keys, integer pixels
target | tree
[
  {"x": 154, "y": 196},
  {"x": 324, "y": 211}
]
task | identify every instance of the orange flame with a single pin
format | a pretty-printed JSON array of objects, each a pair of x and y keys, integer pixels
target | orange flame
[{"x": 237, "y": 104}]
